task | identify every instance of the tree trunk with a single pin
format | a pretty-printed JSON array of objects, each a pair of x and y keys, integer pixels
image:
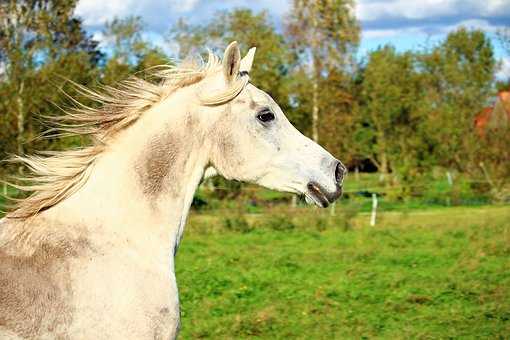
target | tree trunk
[
  {"x": 20, "y": 120},
  {"x": 384, "y": 169},
  {"x": 315, "y": 110},
  {"x": 20, "y": 124},
  {"x": 384, "y": 163},
  {"x": 315, "y": 78}
]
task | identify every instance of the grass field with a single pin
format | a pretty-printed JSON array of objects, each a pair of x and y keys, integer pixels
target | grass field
[
  {"x": 439, "y": 273},
  {"x": 424, "y": 271}
]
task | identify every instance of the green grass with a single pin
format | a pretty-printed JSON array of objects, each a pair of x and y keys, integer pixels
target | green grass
[
  {"x": 442, "y": 273},
  {"x": 269, "y": 271}
]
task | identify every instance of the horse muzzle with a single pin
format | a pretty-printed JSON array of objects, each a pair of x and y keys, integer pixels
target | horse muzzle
[{"x": 321, "y": 196}]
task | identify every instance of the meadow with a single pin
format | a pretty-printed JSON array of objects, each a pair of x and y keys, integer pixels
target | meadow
[
  {"x": 302, "y": 273},
  {"x": 253, "y": 266}
]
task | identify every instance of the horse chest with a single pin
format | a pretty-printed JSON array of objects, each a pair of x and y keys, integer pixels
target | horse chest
[{"x": 122, "y": 297}]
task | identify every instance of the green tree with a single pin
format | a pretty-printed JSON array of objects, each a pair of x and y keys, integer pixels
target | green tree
[
  {"x": 338, "y": 109},
  {"x": 325, "y": 35},
  {"x": 124, "y": 37},
  {"x": 129, "y": 50},
  {"x": 38, "y": 40},
  {"x": 389, "y": 122},
  {"x": 458, "y": 82},
  {"x": 250, "y": 29},
  {"x": 493, "y": 154}
]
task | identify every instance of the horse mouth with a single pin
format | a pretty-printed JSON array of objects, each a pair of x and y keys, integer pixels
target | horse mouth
[{"x": 321, "y": 197}]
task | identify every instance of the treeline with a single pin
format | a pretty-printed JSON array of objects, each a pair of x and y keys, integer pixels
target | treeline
[{"x": 405, "y": 115}]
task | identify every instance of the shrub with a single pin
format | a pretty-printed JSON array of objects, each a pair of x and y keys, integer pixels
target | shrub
[
  {"x": 237, "y": 223},
  {"x": 279, "y": 223}
]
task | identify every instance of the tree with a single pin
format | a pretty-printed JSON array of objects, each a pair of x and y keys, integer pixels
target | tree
[
  {"x": 390, "y": 97},
  {"x": 325, "y": 34},
  {"x": 458, "y": 82},
  {"x": 493, "y": 153},
  {"x": 273, "y": 57},
  {"x": 339, "y": 112},
  {"x": 130, "y": 52},
  {"x": 38, "y": 40}
]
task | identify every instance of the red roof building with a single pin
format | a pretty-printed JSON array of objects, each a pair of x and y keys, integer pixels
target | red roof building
[{"x": 496, "y": 115}]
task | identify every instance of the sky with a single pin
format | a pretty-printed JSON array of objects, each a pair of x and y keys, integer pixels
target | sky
[{"x": 407, "y": 24}]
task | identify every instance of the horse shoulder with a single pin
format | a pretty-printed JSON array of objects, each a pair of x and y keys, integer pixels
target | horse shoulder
[{"x": 35, "y": 284}]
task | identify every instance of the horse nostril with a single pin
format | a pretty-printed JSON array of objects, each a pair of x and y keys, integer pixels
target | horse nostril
[{"x": 340, "y": 172}]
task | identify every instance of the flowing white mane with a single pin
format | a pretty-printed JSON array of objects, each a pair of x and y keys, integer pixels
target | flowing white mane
[{"x": 55, "y": 175}]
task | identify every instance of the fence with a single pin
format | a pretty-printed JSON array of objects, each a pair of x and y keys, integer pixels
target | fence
[{"x": 364, "y": 193}]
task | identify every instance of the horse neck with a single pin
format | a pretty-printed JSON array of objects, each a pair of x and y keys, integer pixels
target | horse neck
[{"x": 142, "y": 186}]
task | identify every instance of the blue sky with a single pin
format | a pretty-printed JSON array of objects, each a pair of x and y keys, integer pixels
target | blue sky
[{"x": 407, "y": 24}]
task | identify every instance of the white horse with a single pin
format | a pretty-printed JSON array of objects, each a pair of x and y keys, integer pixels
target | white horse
[{"x": 90, "y": 254}]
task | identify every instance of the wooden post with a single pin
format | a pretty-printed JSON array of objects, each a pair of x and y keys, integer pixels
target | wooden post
[
  {"x": 374, "y": 209},
  {"x": 449, "y": 178}
]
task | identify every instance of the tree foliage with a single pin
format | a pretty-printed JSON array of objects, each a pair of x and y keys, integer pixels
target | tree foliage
[
  {"x": 417, "y": 110},
  {"x": 458, "y": 80},
  {"x": 405, "y": 113},
  {"x": 130, "y": 51},
  {"x": 390, "y": 111},
  {"x": 324, "y": 35},
  {"x": 273, "y": 57},
  {"x": 39, "y": 40}
]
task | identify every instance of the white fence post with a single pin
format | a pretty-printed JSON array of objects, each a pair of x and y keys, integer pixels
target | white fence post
[
  {"x": 374, "y": 209},
  {"x": 449, "y": 178},
  {"x": 293, "y": 202}
]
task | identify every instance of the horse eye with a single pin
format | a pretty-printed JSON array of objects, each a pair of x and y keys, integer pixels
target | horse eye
[{"x": 265, "y": 116}]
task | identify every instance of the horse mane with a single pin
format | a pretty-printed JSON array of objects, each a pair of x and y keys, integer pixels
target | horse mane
[{"x": 56, "y": 175}]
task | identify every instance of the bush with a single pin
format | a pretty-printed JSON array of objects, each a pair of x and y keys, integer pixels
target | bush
[
  {"x": 237, "y": 224},
  {"x": 279, "y": 223}
]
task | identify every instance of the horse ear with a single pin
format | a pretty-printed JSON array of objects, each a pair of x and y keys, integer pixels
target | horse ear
[
  {"x": 231, "y": 62},
  {"x": 247, "y": 61}
]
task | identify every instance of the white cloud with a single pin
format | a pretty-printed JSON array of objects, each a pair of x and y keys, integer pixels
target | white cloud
[
  {"x": 504, "y": 70},
  {"x": 103, "y": 40},
  {"x": 429, "y": 31},
  {"x": 97, "y": 12},
  {"x": 369, "y": 10},
  {"x": 483, "y": 25},
  {"x": 390, "y": 33},
  {"x": 495, "y": 7},
  {"x": 183, "y": 5},
  {"x": 391, "y": 20}
]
